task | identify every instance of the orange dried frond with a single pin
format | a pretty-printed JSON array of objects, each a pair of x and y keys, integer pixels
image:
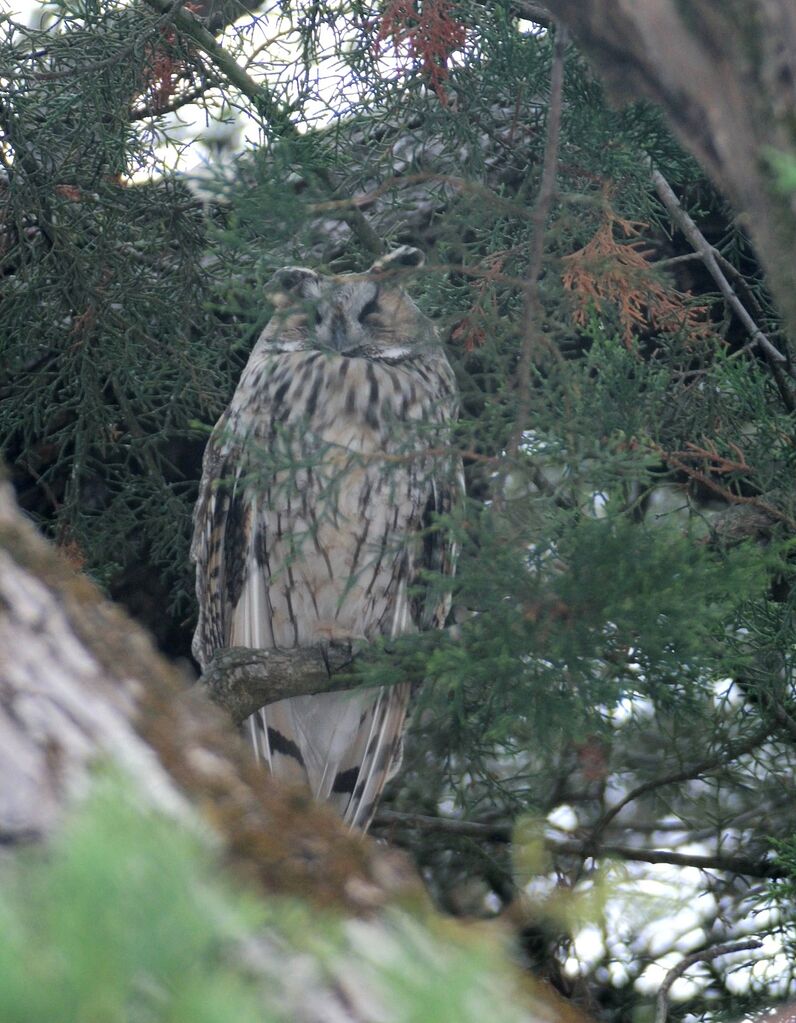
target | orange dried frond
[
  {"x": 163, "y": 70},
  {"x": 619, "y": 274},
  {"x": 396, "y": 20},
  {"x": 429, "y": 34},
  {"x": 83, "y": 323},
  {"x": 473, "y": 329},
  {"x": 470, "y": 331},
  {"x": 709, "y": 459},
  {"x": 162, "y": 73}
]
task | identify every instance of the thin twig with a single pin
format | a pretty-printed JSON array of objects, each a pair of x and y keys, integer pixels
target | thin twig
[
  {"x": 703, "y": 956},
  {"x": 687, "y": 257},
  {"x": 686, "y": 774},
  {"x": 147, "y": 110},
  {"x": 267, "y": 104},
  {"x": 539, "y": 218},
  {"x": 502, "y": 833},
  {"x": 705, "y": 249}
]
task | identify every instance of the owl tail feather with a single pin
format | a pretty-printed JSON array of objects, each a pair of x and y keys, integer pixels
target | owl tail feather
[{"x": 345, "y": 746}]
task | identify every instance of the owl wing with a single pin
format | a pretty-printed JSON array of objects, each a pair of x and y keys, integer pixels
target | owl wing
[
  {"x": 430, "y": 597},
  {"x": 220, "y": 539},
  {"x": 377, "y": 757},
  {"x": 348, "y": 745}
]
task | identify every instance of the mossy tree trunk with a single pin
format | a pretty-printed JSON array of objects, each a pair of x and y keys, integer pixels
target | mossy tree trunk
[{"x": 80, "y": 684}]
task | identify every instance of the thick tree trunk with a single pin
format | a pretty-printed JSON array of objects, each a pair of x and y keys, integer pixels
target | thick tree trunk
[
  {"x": 725, "y": 75},
  {"x": 80, "y": 684}
]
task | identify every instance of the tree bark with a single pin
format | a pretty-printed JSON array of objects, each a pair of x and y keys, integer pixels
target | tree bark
[
  {"x": 241, "y": 679},
  {"x": 80, "y": 684},
  {"x": 725, "y": 75}
]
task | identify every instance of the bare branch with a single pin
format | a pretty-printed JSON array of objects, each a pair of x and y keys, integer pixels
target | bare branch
[
  {"x": 184, "y": 98},
  {"x": 698, "y": 770},
  {"x": 703, "y": 956},
  {"x": 708, "y": 255},
  {"x": 729, "y": 864},
  {"x": 539, "y": 218},
  {"x": 533, "y": 12},
  {"x": 502, "y": 833}
]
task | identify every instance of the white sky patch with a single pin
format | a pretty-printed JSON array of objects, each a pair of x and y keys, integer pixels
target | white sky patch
[
  {"x": 563, "y": 817},
  {"x": 268, "y": 47},
  {"x": 588, "y": 946},
  {"x": 599, "y": 505},
  {"x": 632, "y": 707},
  {"x": 728, "y": 691}
]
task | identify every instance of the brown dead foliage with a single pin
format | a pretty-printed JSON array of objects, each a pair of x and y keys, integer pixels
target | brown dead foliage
[{"x": 618, "y": 272}]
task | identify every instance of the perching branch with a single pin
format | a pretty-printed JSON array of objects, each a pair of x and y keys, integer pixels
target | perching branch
[
  {"x": 703, "y": 956},
  {"x": 241, "y": 680}
]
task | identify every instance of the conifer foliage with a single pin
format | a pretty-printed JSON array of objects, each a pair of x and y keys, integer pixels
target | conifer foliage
[{"x": 622, "y": 664}]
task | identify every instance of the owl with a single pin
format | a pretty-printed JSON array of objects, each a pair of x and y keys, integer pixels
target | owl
[{"x": 316, "y": 515}]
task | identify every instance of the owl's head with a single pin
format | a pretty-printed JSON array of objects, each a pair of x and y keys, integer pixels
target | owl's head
[{"x": 367, "y": 315}]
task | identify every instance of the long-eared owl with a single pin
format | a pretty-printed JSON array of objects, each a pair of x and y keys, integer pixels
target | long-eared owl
[{"x": 321, "y": 483}]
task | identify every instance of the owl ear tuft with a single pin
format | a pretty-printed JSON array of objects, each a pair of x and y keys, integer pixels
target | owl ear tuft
[
  {"x": 289, "y": 284},
  {"x": 404, "y": 256}
]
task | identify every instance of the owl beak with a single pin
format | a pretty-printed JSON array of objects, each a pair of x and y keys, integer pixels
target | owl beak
[{"x": 339, "y": 334}]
